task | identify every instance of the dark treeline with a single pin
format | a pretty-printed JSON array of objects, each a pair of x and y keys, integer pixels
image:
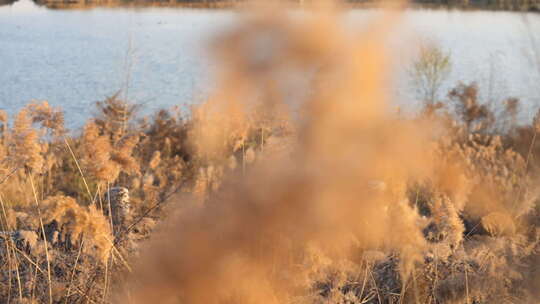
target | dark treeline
[
  {"x": 507, "y": 5},
  {"x": 511, "y": 5}
]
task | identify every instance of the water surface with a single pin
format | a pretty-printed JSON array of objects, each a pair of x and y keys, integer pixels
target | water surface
[{"x": 157, "y": 56}]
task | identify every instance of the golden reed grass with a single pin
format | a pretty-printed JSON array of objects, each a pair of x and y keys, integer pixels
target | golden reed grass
[{"x": 295, "y": 182}]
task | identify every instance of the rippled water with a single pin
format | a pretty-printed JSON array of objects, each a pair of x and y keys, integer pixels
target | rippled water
[{"x": 76, "y": 57}]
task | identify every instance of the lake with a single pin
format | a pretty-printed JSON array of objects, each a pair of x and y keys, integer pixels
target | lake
[{"x": 157, "y": 56}]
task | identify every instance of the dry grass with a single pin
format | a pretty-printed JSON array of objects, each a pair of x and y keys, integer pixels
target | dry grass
[{"x": 295, "y": 182}]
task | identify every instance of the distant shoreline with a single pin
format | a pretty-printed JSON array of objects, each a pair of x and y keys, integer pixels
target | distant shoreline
[{"x": 465, "y": 5}]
